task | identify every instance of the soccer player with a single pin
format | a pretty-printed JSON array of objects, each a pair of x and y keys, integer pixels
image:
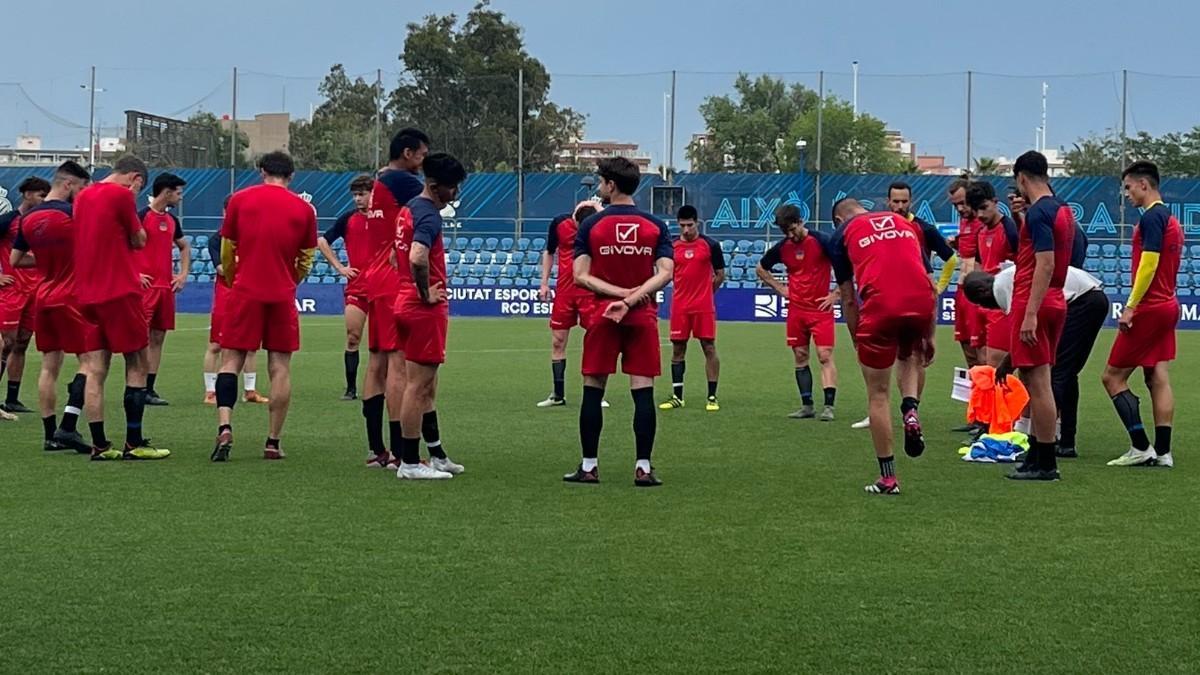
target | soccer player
[
  {"x": 393, "y": 188},
  {"x": 352, "y": 226},
  {"x": 46, "y": 239},
  {"x": 804, "y": 253},
  {"x": 1087, "y": 307},
  {"x": 570, "y": 301},
  {"x": 108, "y": 234},
  {"x": 1039, "y": 307},
  {"x": 268, "y": 238},
  {"x": 967, "y": 242},
  {"x": 422, "y": 313},
  {"x": 624, "y": 257},
  {"x": 212, "y": 355},
  {"x": 997, "y": 244},
  {"x": 159, "y": 281},
  {"x": 1146, "y": 336},
  {"x": 881, "y": 255},
  {"x": 699, "y": 272},
  {"x": 17, "y": 296}
]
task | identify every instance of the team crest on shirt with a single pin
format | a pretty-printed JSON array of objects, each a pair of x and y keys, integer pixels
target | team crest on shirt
[
  {"x": 162, "y": 226},
  {"x": 689, "y": 254},
  {"x": 799, "y": 254},
  {"x": 987, "y": 241}
]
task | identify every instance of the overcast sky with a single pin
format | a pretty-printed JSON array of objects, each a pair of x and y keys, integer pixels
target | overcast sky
[{"x": 913, "y": 58}]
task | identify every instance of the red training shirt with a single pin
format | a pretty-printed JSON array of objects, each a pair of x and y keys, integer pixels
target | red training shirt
[
  {"x": 1049, "y": 226},
  {"x": 560, "y": 242},
  {"x": 696, "y": 262},
  {"x": 352, "y": 226},
  {"x": 997, "y": 244},
  {"x": 881, "y": 251},
  {"x": 271, "y": 226},
  {"x": 26, "y": 278},
  {"x": 48, "y": 232},
  {"x": 624, "y": 243},
  {"x": 808, "y": 268},
  {"x": 162, "y": 231},
  {"x": 420, "y": 221},
  {"x": 106, "y": 264},
  {"x": 1158, "y": 231},
  {"x": 393, "y": 189}
]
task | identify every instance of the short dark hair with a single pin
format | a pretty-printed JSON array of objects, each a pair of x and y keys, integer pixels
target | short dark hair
[
  {"x": 34, "y": 184},
  {"x": 786, "y": 216},
  {"x": 71, "y": 168},
  {"x": 899, "y": 185},
  {"x": 406, "y": 139},
  {"x": 166, "y": 181},
  {"x": 131, "y": 164},
  {"x": 277, "y": 164},
  {"x": 584, "y": 212},
  {"x": 1143, "y": 169},
  {"x": 957, "y": 184},
  {"x": 443, "y": 169},
  {"x": 362, "y": 183},
  {"x": 977, "y": 286},
  {"x": 979, "y": 192},
  {"x": 1032, "y": 164},
  {"x": 620, "y": 171},
  {"x": 840, "y": 205},
  {"x": 687, "y": 212}
]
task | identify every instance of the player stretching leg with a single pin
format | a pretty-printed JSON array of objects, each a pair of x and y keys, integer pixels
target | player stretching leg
[
  {"x": 46, "y": 239},
  {"x": 1039, "y": 308},
  {"x": 212, "y": 355},
  {"x": 623, "y": 256},
  {"x": 159, "y": 282},
  {"x": 422, "y": 314},
  {"x": 268, "y": 239},
  {"x": 570, "y": 301},
  {"x": 16, "y": 298},
  {"x": 804, "y": 253},
  {"x": 881, "y": 253},
  {"x": 699, "y": 272},
  {"x": 384, "y": 383},
  {"x": 352, "y": 226},
  {"x": 1146, "y": 338},
  {"x": 108, "y": 287}
]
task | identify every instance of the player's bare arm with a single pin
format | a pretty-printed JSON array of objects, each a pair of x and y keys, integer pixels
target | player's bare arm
[
  {"x": 544, "y": 289},
  {"x": 334, "y": 262},
  {"x": 1043, "y": 269},
  {"x": 769, "y": 279},
  {"x": 664, "y": 271},
  {"x": 418, "y": 259},
  {"x": 849, "y": 306},
  {"x": 718, "y": 280},
  {"x": 21, "y": 259},
  {"x": 584, "y": 278}
]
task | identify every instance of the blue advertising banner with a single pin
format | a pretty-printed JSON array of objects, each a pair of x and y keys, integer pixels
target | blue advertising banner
[{"x": 733, "y": 304}]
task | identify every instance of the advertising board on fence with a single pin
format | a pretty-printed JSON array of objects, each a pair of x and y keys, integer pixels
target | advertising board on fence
[{"x": 733, "y": 304}]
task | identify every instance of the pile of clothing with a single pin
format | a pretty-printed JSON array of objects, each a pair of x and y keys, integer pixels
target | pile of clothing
[{"x": 996, "y": 448}]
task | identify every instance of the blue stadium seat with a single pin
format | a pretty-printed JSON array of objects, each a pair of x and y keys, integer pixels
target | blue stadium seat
[
  {"x": 472, "y": 281},
  {"x": 488, "y": 281},
  {"x": 202, "y": 254},
  {"x": 491, "y": 244},
  {"x": 201, "y": 241},
  {"x": 470, "y": 257},
  {"x": 493, "y": 270},
  {"x": 506, "y": 281},
  {"x": 512, "y": 271},
  {"x": 454, "y": 257},
  {"x": 1195, "y": 249},
  {"x": 1183, "y": 280},
  {"x": 485, "y": 257},
  {"x": 1125, "y": 291},
  {"x": 476, "y": 243},
  {"x": 1092, "y": 264},
  {"x": 1109, "y": 250},
  {"x": 759, "y": 247},
  {"x": 457, "y": 281},
  {"x": 339, "y": 245},
  {"x": 733, "y": 284},
  {"x": 1126, "y": 265},
  {"x": 1093, "y": 250},
  {"x": 203, "y": 279},
  {"x": 1109, "y": 265},
  {"x": 1184, "y": 292},
  {"x": 191, "y": 278},
  {"x": 727, "y": 246},
  {"x": 329, "y": 280},
  {"x": 506, "y": 243},
  {"x": 1109, "y": 278},
  {"x": 522, "y": 281},
  {"x": 1126, "y": 250},
  {"x": 744, "y": 246},
  {"x": 501, "y": 257},
  {"x": 341, "y": 280},
  {"x": 537, "y": 244},
  {"x": 530, "y": 271},
  {"x": 523, "y": 244},
  {"x": 737, "y": 273}
]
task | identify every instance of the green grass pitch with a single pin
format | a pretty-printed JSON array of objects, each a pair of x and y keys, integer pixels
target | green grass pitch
[{"x": 760, "y": 553}]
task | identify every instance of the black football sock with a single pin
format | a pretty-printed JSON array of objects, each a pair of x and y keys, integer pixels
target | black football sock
[
  {"x": 227, "y": 390},
  {"x": 887, "y": 466},
  {"x": 1162, "y": 440},
  {"x": 49, "y": 424},
  {"x": 70, "y": 418},
  {"x": 99, "y": 440},
  {"x": 396, "y": 439},
  {"x": 558, "y": 370},
  {"x": 804, "y": 382},
  {"x": 908, "y": 403},
  {"x": 712, "y": 388},
  {"x": 677, "y": 370},
  {"x": 351, "y": 359},
  {"x": 830, "y": 395},
  {"x": 431, "y": 434},
  {"x": 591, "y": 421},
  {"x": 151, "y": 378},
  {"x": 410, "y": 450},
  {"x": 372, "y": 410},
  {"x": 14, "y": 390},
  {"x": 272, "y": 443},
  {"x": 1047, "y": 458},
  {"x": 645, "y": 421},
  {"x": 135, "y": 408},
  {"x": 1128, "y": 410}
]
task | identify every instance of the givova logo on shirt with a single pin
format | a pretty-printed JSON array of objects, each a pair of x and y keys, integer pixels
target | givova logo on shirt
[
  {"x": 626, "y": 242},
  {"x": 766, "y": 306}
]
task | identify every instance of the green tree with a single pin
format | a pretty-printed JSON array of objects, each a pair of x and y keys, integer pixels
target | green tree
[
  {"x": 461, "y": 88},
  {"x": 1175, "y": 153},
  {"x": 987, "y": 166},
  {"x": 1095, "y": 156},
  {"x": 341, "y": 135},
  {"x": 757, "y": 129}
]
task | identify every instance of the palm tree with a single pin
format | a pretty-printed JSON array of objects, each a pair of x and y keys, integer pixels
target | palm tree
[{"x": 986, "y": 166}]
